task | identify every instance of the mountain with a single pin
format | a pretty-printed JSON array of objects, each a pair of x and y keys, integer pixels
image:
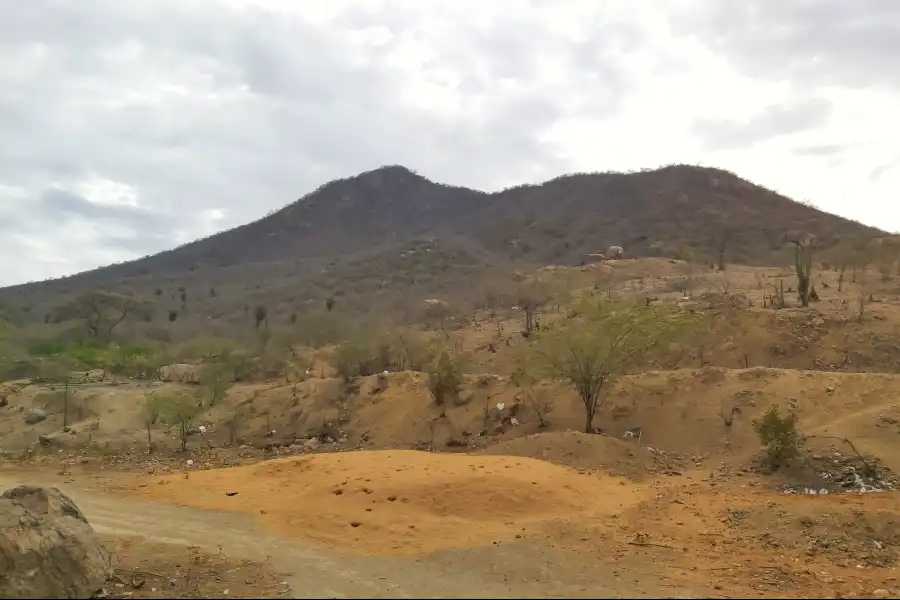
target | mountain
[{"x": 391, "y": 228}]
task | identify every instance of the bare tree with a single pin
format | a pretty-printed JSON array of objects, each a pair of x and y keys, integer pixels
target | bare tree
[
  {"x": 531, "y": 295},
  {"x": 722, "y": 238},
  {"x": 154, "y": 404}
]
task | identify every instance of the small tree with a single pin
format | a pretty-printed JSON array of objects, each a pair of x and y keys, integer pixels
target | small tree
[
  {"x": 173, "y": 316},
  {"x": 259, "y": 315},
  {"x": 353, "y": 358},
  {"x": 445, "y": 376},
  {"x": 606, "y": 340},
  {"x": 180, "y": 409},
  {"x": 154, "y": 404},
  {"x": 535, "y": 398},
  {"x": 233, "y": 423},
  {"x": 779, "y": 436},
  {"x": 531, "y": 295},
  {"x": 721, "y": 240},
  {"x": 215, "y": 381},
  {"x": 59, "y": 371}
]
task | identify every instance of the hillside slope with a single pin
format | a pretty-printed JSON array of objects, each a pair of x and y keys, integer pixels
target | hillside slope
[{"x": 363, "y": 226}]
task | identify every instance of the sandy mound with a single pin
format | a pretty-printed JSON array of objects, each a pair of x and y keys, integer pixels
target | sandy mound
[
  {"x": 585, "y": 451},
  {"x": 399, "y": 502}
]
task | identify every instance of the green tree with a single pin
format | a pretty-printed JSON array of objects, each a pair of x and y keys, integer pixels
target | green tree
[
  {"x": 353, "y": 358},
  {"x": 215, "y": 381},
  {"x": 180, "y": 409},
  {"x": 603, "y": 340},
  {"x": 445, "y": 376},
  {"x": 779, "y": 435}
]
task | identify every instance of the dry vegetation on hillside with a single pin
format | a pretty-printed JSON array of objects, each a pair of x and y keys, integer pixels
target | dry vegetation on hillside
[
  {"x": 383, "y": 241},
  {"x": 705, "y": 419}
]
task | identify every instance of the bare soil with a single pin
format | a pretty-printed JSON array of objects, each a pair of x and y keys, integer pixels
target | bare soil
[{"x": 668, "y": 502}]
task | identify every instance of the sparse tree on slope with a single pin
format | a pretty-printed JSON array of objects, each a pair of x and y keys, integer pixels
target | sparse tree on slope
[
  {"x": 103, "y": 311},
  {"x": 179, "y": 408},
  {"x": 605, "y": 341}
]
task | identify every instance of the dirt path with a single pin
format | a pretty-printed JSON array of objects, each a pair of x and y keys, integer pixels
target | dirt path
[{"x": 509, "y": 572}]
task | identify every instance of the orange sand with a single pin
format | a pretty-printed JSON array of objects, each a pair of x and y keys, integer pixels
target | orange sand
[{"x": 400, "y": 502}]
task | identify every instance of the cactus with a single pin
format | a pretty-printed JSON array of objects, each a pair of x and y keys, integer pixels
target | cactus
[{"x": 803, "y": 265}]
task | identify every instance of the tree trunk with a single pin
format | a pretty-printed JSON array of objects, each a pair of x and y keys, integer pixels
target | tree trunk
[
  {"x": 803, "y": 289},
  {"x": 149, "y": 441},
  {"x": 66, "y": 402},
  {"x": 589, "y": 410}
]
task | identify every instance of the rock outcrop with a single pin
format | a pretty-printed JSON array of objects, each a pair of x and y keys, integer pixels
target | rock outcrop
[{"x": 47, "y": 547}]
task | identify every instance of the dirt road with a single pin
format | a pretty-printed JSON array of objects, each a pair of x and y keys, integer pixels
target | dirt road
[{"x": 510, "y": 570}]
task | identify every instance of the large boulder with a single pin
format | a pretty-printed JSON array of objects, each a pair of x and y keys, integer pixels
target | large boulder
[
  {"x": 47, "y": 548},
  {"x": 180, "y": 373},
  {"x": 34, "y": 415}
]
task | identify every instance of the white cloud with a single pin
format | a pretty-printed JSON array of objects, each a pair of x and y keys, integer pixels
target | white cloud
[{"x": 131, "y": 126}]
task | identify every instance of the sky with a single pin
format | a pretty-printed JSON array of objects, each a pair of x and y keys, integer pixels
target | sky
[{"x": 128, "y": 127}]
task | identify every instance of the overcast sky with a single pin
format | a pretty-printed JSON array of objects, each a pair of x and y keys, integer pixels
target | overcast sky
[{"x": 131, "y": 126}]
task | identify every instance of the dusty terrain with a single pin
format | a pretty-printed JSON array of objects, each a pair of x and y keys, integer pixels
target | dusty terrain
[{"x": 371, "y": 490}]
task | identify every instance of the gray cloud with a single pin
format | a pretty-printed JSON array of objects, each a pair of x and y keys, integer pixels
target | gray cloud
[
  {"x": 201, "y": 106},
  {"x": 823, "y": 150},
  {"x": 771, "y": 122},
  {"x": 879, "y": 171},
  {"x": 66, "y": 204},
  {"x": 807, "y": 42}
]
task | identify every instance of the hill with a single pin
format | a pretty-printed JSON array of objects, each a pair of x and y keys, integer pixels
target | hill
[{"x": 365, "y": 237}]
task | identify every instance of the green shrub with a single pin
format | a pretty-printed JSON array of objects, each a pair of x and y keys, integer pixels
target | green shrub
[
  {"x": 445, "y": 377},
  {"x": 779, "y": 435}
]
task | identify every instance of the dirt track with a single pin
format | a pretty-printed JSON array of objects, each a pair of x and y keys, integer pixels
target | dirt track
[{"x": 489, "y": 572}]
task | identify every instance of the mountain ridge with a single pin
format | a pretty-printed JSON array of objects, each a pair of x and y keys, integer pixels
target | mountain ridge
[{"x": 677, "y": 210}]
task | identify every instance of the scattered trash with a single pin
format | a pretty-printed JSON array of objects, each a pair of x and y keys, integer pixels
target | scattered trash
[
  {"x": 500, "y": 406},
  {"x": 514, "y": 421},
  {"x": 202, "y": 428},
  {"x": 231, "y": 493},
  {"x": 837, "y": 472},
  {"x": 190, "y": 463}
]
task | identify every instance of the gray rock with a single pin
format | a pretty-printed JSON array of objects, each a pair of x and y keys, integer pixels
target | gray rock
[
  {"x": 34, "y": 415},
  {"x": 47, "y": 547}
]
